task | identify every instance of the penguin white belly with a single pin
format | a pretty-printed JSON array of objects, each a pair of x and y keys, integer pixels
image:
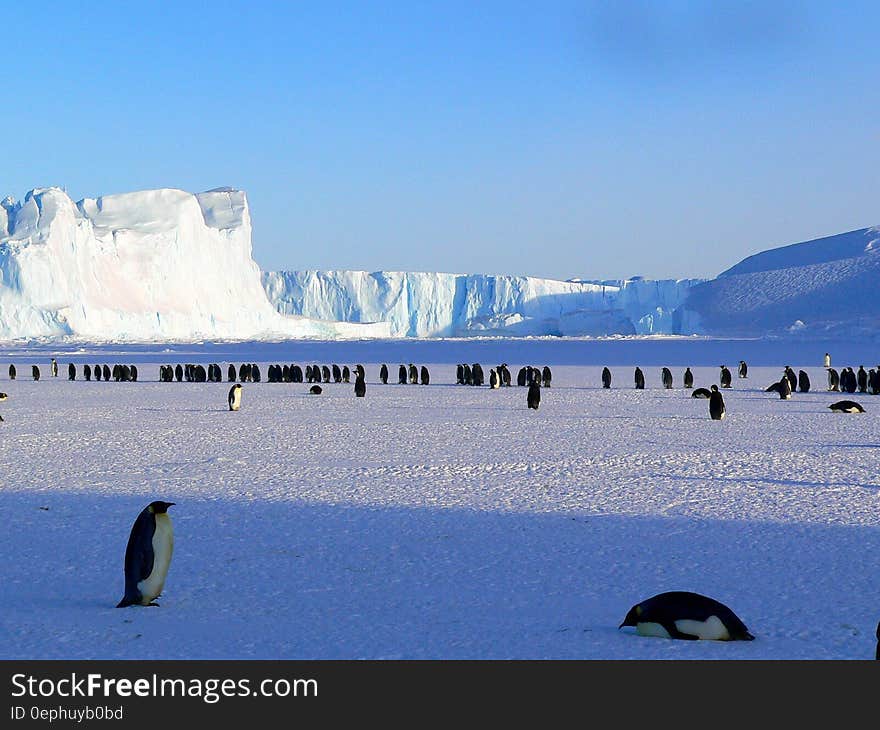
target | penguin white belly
[
  {"x": 649, "y": 628},
  {"x": 712, "y": 629},
  {"x": 163, "y": 546},
  {"x": 236, "y": 400}
]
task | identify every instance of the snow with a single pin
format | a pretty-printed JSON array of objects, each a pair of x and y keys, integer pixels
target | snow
[
  {"x": 439, "y": 521},
  {"x": 424, "y": 304},
  {"x": 150, "y": 265}
]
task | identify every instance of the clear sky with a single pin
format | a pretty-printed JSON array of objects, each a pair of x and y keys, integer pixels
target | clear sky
[{"x": 558, "y": 139}]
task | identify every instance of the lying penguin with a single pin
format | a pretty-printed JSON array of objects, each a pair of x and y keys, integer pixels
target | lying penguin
[
  {"x": 686, "y": 615},
  {"x": 846, "y": 406}
]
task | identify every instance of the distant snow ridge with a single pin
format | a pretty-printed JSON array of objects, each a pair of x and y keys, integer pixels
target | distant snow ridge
[
  {"x": 824, "y": 287},
  {"x": 156, "y": 264},
  {"x": 418, "y": 304}
]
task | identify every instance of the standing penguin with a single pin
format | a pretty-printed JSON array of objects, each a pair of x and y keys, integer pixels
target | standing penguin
[
  {"x": 606, "y": 378},
  {"x": 11, "y": 371},
  {"x": 743, "y": 369},
  {"x": 792, "y": 378},
  {"x": 546, "y": 376},
  {"x": 686, "y": 615},
  {"x": 346, "y": 374},
  {"x": 87, "y": 372},
  {"x": 534, "y": 395},
  {"x": 3, "y": 397},
  {"x": 401, "y": 375},
  {"x": 54, "y": 367},
  {"x": 639, "y": 378},
  {"x": 383, "y": 374},
  {"x": 360, "y": 385},
  {"x": 862, "y": 379},
  {"x": 726, "y": 377},
  {"x": 35, "y": 372},
  {"x": 716, "y": 404},
  {"x": 784, "y": 388},
  {"x": 803, "y": 382},
  {"x": 688, "y": 378},
  {"x": 833, "y": 380},
  {"x": 666, "y": 378},
  {"x": 148, "y": 555},
  {"x": 494, "y": 380},
  {"x": 413, "y": 375},
  {"x": 230, "y": 373},
  {"x": 234, "y": 397},
  {"x": 827, "y": 360},
  {"x": 71, "y": 372},
  {"x": 337, "y": 373},
  {"x": 425, "y": 375}
]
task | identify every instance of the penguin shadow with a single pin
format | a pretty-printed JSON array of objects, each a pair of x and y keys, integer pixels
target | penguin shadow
[{"x": 849, "y": 446}]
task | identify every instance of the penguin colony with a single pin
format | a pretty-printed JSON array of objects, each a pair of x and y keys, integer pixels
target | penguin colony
[{"x": 673, "y": 615}]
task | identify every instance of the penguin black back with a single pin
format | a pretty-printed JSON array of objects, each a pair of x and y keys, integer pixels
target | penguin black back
[
  {"x": 425, "y": 375},
  {"x": 639, "y": 378},
  {"x": 533, "y": 398},
  {"x": 688, "y": 379},
  {"x": 803, "y": 382},
  {"x": 12, "y": 372},
  {"x": 606, "y": 378},
  {"x": 360, "y": 386},
  {"x": 716, "y": 404},
  {"x": 141, "y": 558},
  {"x": 686, "y": 615},
  {"x": 847, "y": 406},
  {"x": 666, "y": 378},
  {"x": 35, "y": 372},
  {"x": 383, "y": 374}
]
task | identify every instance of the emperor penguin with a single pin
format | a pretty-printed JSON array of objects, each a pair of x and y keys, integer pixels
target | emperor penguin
[
  {"x": 11, "y": 371},
  {"x": 148, "y": 555},
  {"x": 401, "y": 375},
  {"x": 71, "y": 372},
  {"x": 424, "y": 375},
  {"x": 726, "y": 378},
  {"x": 360, "y": 386},
  {"x": 520, "y": 376},
  {"x": 666, "y": 378},
  {"x": 54, "y": 367},
  {"x": 35, "y": 372},
  {"x": 862, "y": 379},
  {"x": 686, "y": 615},
  {"x": 546, "y": 376},
  {"x": 534, "y": 395},
  {"x": 230, "y": 373},
  {"x": 743, "y": 369},
  {"x": 803, "y": 381},
  {"x": 3, "y": 397},
  {"x": 234, "y": 397},
  {"x": 383, "y": 374},
  {"x": 639, "y": 378},
  {"x": 337, "y": 373},
  {"x": 792, "y": 378},
  {"x": 87, "y": 371},
  {"x": 846, "y": 406},
  {"x": 346, "y": 374},
  {"x": 315, "y": 390},
  {"x": 784, "y": 388},
  {"x": 833, "y": 379},
  {"x": 702, "y": 393},
  {"x": 494, "y": 380},
  {"x": 688, "y": 378},
  {"x": 827, "y": 360},
  {"x": 606, "y": 378},
  {"x": 716, "y": 404},
  {"x": 413, "y": 375}
]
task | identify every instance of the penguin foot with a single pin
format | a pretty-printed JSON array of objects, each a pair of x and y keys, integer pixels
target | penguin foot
[{"x": 154, "y": 604}]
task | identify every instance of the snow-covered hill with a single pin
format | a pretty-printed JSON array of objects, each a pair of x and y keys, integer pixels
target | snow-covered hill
[
  {"x": 418, "y": 304},
  {"x": 156, "y": 264},
  {"x": 823, "y": 287}
]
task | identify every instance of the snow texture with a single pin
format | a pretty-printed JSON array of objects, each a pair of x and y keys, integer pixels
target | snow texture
[
  {"x": 157, "y": 264},
  {"x": 440, "y": 521}
]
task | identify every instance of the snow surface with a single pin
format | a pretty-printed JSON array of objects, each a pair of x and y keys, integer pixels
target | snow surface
[
  {"x": 156, "y": 264},
  {"x": 438, "y": 521},
  {"x": 422, "y": 304}
]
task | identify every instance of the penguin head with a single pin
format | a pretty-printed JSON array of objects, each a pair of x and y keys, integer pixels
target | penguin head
[
  {"x": 159, "y": 507},
  {"x": 714, "y": 388},
  {"x": 632, "y": 616}
]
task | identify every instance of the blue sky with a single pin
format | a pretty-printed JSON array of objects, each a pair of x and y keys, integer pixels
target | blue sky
[{"x": 561, "y": 139}]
